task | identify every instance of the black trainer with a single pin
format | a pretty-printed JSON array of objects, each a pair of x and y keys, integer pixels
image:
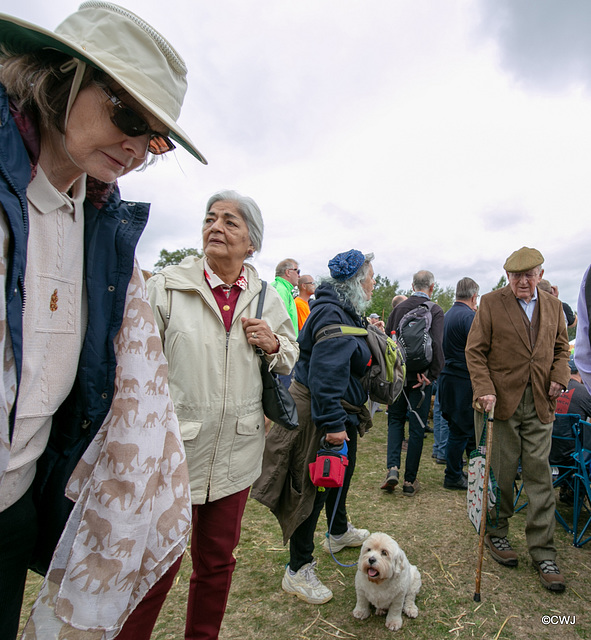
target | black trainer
[
  {"x": 391, "y": 480},
  {"x": 462, "y": 483}
]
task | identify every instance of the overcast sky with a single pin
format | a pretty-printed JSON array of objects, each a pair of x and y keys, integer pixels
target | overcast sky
[{"x": 438, "y": 135}]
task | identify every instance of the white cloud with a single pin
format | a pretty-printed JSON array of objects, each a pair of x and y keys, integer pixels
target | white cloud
[{"x": 402, "y": 128}]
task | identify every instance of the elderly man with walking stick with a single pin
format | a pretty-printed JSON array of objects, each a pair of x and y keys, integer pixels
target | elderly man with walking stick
[{"x": 517, "y": 355}]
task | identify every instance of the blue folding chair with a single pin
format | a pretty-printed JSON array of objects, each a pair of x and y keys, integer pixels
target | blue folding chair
[
  {"x": 582, "y": 506},
  {"x": 565, "y": 439}
]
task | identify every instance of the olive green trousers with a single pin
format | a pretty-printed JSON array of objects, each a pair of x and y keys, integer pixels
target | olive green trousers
[{"x": 523, "y": 437}]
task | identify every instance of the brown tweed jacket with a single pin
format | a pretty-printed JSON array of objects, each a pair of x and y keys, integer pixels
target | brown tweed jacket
[{"x": 501, "y": 360}]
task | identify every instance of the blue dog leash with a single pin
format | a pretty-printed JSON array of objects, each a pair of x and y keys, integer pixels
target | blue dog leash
[{"x": 336, "y": 504}]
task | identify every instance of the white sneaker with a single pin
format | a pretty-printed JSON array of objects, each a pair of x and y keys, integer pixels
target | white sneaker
[
  {"x": 305, "y": 584},
  {"x": 351, "y": 538}
]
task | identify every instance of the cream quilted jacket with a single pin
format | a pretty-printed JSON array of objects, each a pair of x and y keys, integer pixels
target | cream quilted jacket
[{"x": 214, "y": 376}]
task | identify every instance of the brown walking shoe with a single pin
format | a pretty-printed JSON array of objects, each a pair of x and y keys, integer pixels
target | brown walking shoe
[
  {"x": 550, "y": 575},
  {"x": 410, "y": 489},
  {"x": 501, "y": 550}
]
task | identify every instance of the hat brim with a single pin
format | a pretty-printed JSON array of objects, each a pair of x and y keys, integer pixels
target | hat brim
[{"x": 20, "y": 36}]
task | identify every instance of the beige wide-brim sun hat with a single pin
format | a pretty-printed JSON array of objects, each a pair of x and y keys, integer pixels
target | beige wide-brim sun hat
[{"x": 122, "y": 45}]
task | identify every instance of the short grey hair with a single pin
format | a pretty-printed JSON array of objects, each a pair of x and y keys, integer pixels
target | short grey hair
[
  {"x": 285, "y": 265},
  {"x": 466, "y": 288},
  {"x": 248, "y": 209},
  {"x": 350, "y": 290},
  {"x": 422, "y": 280}
]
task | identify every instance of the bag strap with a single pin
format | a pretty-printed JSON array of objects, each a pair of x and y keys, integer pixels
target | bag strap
[
  {"x": 429, "y": 304},
  {"x": 259, "y": 315},
  {"x": 259, "y": 312},
  {"x": 338, "y": 331}
]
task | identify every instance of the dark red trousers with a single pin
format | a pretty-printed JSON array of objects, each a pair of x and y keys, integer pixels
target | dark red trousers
[{"x": 216, "y": 532}]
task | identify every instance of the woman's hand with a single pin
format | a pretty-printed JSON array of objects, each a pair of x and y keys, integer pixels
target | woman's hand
[
  {"x": 336, "y": 438},
  {"x": 259, "y": 334}
]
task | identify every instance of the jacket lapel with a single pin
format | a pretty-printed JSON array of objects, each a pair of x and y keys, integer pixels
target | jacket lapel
[
  {"x": 514, "y": 312},
  {"x": 544, "y": 311}
]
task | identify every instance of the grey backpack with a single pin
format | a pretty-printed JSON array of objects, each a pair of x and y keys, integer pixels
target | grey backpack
[
  {"x": 414, "y": 336},
  {"x": 385, "y": 378}
]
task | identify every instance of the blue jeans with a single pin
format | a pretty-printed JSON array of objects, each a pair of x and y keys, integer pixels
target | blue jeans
[
  {"x": 440, "y": 430},
  {"x": 396, "y": 419}
]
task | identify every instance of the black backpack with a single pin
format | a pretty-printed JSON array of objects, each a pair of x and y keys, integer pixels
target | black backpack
[
  {"x": 413, "y": 335},
  {"x": 385, "y": 379}
]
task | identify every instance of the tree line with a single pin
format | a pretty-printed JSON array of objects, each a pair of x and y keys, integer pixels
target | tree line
[{"x": 384, "y": 291}]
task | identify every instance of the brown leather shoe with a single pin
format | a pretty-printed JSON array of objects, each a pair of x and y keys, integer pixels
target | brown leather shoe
[
  {"x": 550, "y": 575},
  {"x": 501, "y": 550}
]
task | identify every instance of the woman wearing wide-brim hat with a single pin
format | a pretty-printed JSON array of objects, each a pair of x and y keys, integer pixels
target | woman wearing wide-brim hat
[{"x": 83, "y": 369}]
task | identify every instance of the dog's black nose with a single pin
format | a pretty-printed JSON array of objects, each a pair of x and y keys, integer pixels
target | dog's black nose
[{"x": 372, "y": 560}]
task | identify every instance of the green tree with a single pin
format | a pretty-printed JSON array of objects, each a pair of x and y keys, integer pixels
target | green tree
[
  {"x": 174, "y": 257},
  {"x": 501, "y": 283},
  {"x": 443, "y": 297},
  {"x": 381, "y": 300}
]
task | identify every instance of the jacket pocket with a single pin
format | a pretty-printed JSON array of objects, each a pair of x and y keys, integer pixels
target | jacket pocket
[
  {"x": 189, "y": 430},
  {"x": 248, "y": 446}
]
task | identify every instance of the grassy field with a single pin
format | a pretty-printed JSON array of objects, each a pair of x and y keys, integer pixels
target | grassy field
[{"x": 435, "y": 533}]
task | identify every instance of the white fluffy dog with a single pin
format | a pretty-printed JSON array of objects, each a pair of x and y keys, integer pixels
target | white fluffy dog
[{"x": 387, "y": 580}]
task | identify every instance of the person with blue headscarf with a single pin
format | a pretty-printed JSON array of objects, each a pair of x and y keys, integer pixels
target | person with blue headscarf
[{"x": 331, "y": 405}]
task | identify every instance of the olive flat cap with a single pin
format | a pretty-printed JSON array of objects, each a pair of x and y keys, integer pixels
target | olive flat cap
[{"x": 523, "y": 259}]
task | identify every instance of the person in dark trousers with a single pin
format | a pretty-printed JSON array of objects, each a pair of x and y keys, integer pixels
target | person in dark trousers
[
  {"x": 331, "y": 402},
  {"x": 455, "y": 389},
  {"x": 417, "y": 391},
  {"x": 81, "y": 107}
]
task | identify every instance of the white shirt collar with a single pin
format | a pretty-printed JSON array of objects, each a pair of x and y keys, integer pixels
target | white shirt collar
[
  {"x": 46, "y": 198},
  {"x": 215, "y": 281}
]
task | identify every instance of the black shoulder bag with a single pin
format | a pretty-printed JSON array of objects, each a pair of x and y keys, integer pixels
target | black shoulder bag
[{"x": 278, "y": 404}]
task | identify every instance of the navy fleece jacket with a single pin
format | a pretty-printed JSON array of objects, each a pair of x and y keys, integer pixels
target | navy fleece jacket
[{"x": 332, "y": 368}]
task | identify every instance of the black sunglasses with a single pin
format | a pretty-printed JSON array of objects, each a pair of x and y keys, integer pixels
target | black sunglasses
[{"x": 133, "y": 125}]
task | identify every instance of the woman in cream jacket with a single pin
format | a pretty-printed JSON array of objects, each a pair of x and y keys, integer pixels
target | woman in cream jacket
[{"x": 205, "y": 309}]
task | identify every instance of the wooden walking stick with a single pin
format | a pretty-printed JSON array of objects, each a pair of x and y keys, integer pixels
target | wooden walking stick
[{"x": 489, "y": 419}]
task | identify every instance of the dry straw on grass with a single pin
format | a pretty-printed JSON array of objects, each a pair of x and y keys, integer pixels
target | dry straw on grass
[{"x": 435, "y": 533}]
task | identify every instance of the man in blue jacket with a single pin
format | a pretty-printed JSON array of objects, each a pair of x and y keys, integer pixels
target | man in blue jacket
[{"x": 455, "y": 390}]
